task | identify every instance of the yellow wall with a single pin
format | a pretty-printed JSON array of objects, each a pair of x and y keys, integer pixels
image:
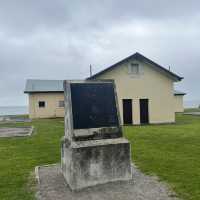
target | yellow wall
[
  {"x": 178, "y": 103},
  {"x": 51, "y": 109},
  {"x": 150, "y": 84}
]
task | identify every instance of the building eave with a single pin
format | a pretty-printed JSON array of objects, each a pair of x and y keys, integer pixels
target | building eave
[
  {"x": 30, "y": 92},
  {"x": 183, "y": 94}
]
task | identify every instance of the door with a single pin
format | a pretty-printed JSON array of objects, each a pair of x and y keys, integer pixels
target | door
[
  {"x": 127, "y": 111},
  {"x": 144, "y": 111}
]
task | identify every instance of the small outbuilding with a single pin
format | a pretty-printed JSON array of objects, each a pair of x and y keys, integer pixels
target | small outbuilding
[{"x": 178, "y": 97}]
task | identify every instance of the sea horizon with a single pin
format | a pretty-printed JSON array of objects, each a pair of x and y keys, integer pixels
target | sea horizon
[
  {"x": 13, "y": 110},
  {"x": 23, "y": 110}
]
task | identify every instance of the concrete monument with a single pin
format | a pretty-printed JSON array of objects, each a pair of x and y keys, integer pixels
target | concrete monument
[{"x": 93, "y": 150}]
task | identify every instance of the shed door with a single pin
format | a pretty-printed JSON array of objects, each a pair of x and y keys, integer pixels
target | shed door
[
  {"x": 127, "y": 111},
  {"x": 144, "y": 111}
]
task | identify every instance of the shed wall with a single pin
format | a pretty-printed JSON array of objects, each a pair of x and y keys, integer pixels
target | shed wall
[
  {"x": 51, "y": 108},
  {"x": 178, "y": 104},
  {"x": 149, "y": 84}
]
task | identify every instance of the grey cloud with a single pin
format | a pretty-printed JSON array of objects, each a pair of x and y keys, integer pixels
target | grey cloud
[
  {"x": 60, "y": 39},
  {"x": 28, "y": 15}
]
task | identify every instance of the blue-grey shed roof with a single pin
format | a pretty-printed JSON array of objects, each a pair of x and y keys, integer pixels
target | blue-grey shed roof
[{"x": 35, "y": 85}]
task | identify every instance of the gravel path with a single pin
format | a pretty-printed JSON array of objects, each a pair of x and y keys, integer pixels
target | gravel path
[
  {"x": 52, "y": 186},
  {"x": 16, "y": 132}
]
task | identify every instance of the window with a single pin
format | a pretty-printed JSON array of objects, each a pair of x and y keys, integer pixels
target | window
[
  {"x": 134, "y": 68},
  {"x": 61, "y": 104},
  {"x": 41, "y": 104}
]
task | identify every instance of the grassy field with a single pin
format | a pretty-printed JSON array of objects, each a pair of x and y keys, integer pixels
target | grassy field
[
  {"x": 172, "y": 152},
  {"x": 19, "y": 156}
]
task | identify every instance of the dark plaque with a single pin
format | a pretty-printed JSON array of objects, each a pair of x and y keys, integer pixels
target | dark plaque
[{"x": 93, "y": 105}]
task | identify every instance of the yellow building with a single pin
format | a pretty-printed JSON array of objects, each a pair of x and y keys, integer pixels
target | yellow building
[{"x": 145, "y": 92}]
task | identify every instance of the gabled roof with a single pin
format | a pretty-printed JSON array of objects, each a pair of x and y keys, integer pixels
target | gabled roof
[
  {"x": 142, "y": 58},
  {"x": 177, "y": 92},
  {"x": 34, "y": 85}
]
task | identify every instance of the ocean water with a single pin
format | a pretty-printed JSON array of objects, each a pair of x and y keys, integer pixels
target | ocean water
[
  {"x": 192, "y": 104},
  {"x": 13, "y": 110}
]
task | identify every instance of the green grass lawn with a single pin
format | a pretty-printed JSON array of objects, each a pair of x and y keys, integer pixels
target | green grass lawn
[
  {"x": 172, "y": 152},
  {"x": 19, "y": 156}
]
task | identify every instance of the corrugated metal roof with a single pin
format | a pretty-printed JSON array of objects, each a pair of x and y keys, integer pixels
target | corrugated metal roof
[{"x": 35, "y": 85}]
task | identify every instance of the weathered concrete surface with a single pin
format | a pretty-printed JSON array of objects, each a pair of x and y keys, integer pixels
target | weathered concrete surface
[
  {"x": 16, "y": 132},
  {"x": 92, "y": 162},
  {"x": 192, "y": 113},
  {"x": 52, "y": 185},
  {"x": 14, "y": 119}
]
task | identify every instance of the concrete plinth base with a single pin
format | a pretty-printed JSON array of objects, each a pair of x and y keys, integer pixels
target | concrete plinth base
[{"x": 89, "y": 163}]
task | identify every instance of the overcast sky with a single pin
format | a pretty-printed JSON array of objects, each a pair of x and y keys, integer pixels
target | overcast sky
[{"x": 59, "y": 39}]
